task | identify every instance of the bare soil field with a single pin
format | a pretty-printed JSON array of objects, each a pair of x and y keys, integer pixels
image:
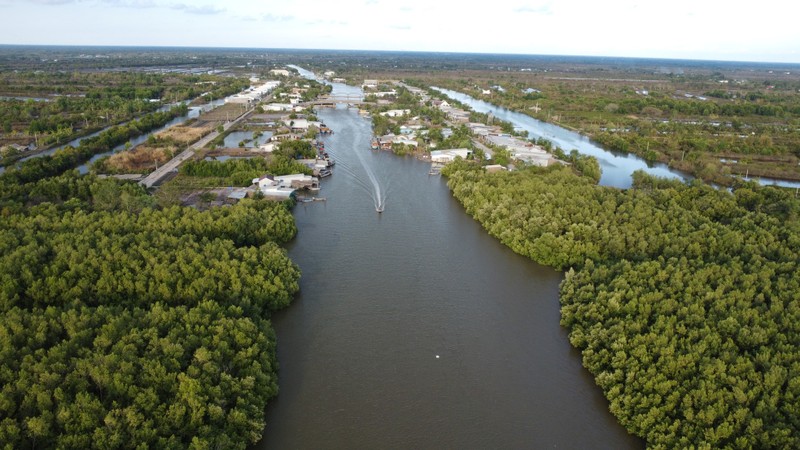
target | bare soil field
[
  {"x": 142, "y": 159},
  {"x": 185, "y": 134}
]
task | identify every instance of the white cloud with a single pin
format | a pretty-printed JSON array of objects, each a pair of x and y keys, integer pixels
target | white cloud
[
  {"x": 201, "y": 10},
  {"x": 544, "y": 9},
  {"x": 680, "y": 28}
]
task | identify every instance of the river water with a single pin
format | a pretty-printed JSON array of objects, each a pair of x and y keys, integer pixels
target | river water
[{"x": 416, "y": 329}]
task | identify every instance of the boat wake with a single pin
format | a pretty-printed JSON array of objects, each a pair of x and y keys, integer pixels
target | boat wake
[
  {"x": 369, "y": 183},
  {"x": 362, "y": 169}
]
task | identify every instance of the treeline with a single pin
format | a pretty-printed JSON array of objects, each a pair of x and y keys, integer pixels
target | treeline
[
  {"x": 70, "y": 157},
  {"x": 43, "y": 118},
  {"x": 684, "y": 300},
  {"x": 126, "y": 326},
  {"x": 296, "y": 149},
  {"x": 749, "y": 105}
]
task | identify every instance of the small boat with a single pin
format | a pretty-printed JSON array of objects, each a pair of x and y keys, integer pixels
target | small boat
[
  {"x": 324, "y": 173},
  {"x": 379, "y": 209}
]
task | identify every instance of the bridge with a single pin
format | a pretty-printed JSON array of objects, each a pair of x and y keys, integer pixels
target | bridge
[{"x": 353, "y": 99}]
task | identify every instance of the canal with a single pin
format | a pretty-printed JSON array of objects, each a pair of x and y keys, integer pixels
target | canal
[{"x": 416, "y": 329}]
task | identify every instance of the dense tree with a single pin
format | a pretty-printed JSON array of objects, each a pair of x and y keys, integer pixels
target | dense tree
[{"x": 126, "y": 326}]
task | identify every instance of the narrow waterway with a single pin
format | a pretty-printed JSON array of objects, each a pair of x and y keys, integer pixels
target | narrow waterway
[{"x": 415, "y": 329}]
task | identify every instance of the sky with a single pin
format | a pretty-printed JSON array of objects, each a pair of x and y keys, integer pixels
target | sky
[{"x": 733, "y": 30}]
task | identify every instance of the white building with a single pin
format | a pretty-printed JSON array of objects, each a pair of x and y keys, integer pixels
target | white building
[
  {"x": 278, "y": 107},
  {"x": 269, "y": 147},
  {"x": 253, "y": 94},
  {"x": 284, "y": 186},
  {"x": 391, "y": 93},
  {"x": 301, "y": 125},
  {"x": 446, "y": 156},
  {"x": 390, "y": 139},
  {"x": 244, "y": 99},
  {"x": 298, "y": 181},
  {"x": 396, "y": 113},
  {"x": 273, "y": 189},
  {"x": 279, "y": 72}
]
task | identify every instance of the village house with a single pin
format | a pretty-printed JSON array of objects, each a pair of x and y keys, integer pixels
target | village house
[
  {"x": 446, "y": 156},
  {"x": 253, "y": 94},
  {"x": 278, "y": 107},
  {"x": 391, "y": 93},
  {"x": 370, "y": 84},
  {"x": 454, "y": 114},
  {"x": 318, "y": 166},
  {"x": 298, "y": 181},
  {"x": 279, "y": 72},
  {"x": 301, "y": 125},
  {"x": 284, "y": 186},
  {"x": 273, "y": 189},
  {"x": 386, "y": 142},
  {"x": 457, "y": 115},
  {"x": 396, "y": 113},
  {"x": 268, "y": 147},
  {"x": 522, "y": 150},
  {"x": 244, "y": 99},
  {"x": 285, "y": 137},
  {"x": 483, "y": 130},
  {"x": 410, "y": 129},
  {"x": 16, "y": 148}
]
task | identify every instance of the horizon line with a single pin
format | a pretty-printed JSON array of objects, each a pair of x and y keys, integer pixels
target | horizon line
[{"x": 441, "y": 52}]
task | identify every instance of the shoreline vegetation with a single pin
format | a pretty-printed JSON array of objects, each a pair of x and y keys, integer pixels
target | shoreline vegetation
[{"x": 681, "y": 298}]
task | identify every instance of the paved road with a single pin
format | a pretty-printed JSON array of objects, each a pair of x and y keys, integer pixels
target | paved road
[
  {"x": 158, "y": 174},
  {"x": 486, "y": 150}
]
